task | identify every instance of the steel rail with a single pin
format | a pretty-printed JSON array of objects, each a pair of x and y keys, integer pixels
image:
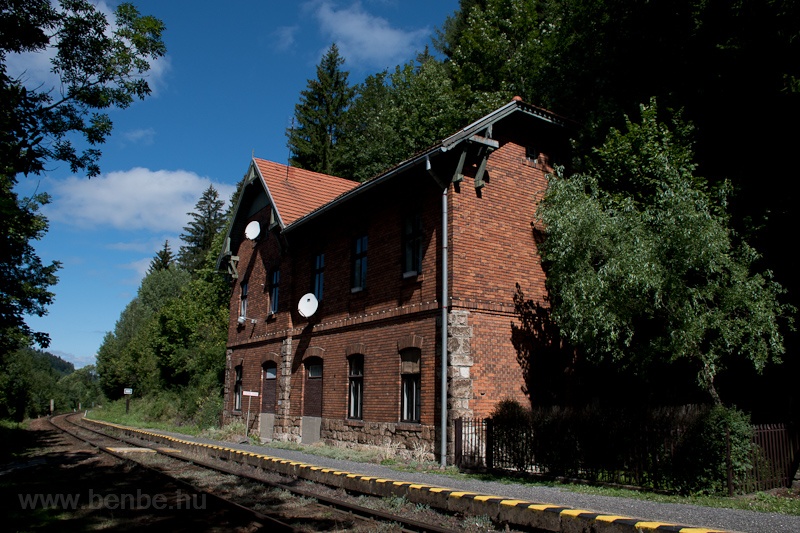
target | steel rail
[
  {"x": 407, "y": 524},
  {"x": 267, "y": 521}
]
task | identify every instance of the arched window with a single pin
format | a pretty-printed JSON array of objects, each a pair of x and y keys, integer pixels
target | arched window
[
  {"x": 356, "y": 386},
  {"x": 410, "y": 384}
]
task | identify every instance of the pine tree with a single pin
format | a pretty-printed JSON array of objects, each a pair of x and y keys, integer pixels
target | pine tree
[
  {"x": 163, "y": 259},
  {"x": 208, "y": 219},
  {"x": 319, "y": 117}
]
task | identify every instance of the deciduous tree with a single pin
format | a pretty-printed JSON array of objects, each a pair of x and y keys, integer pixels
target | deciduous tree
[
  {"x": 643, "y": 266},
  {"x": 99, "y": 66}
]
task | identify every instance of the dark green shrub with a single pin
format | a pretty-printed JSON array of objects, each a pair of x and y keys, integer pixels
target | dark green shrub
[
  {"x": 513, "y": 437},
  {"x": 701, "y": 460}
]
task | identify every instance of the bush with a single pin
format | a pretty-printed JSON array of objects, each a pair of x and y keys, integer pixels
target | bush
[
  {"x": 682, "y": 449},
  {"x": 513, "y": 438},
  {"x": 701, "y": 465}
]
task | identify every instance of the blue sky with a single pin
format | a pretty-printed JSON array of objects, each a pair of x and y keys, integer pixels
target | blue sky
[{"x": 225, "y": 91}]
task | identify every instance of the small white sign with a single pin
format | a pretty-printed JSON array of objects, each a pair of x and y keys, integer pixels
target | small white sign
[
  {"x": 249, "y": 393},
  {"x": 128, "y": 391}
]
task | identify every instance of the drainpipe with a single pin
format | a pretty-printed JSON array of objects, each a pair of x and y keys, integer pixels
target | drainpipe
[{"x": 445, "y": 296}]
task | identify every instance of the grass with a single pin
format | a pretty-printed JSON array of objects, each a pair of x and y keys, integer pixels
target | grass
[
  {"x": 115, "y": 412},
  {"x": 332, "y": 452},
  {"x": 786, "y": 501}
]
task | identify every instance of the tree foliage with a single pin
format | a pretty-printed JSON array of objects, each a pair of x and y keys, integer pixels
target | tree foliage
[
  {"x": 31, "y": 379},
  {"x": 25, "y": 280},
  {"x": 81, "y": 388},
  {"x": 496, "y": 51},
  {"x": 99, "y": 66},
  {"x": 169, "y": 342},
  {"x": 314, "y": 137},
  {"x": 126, "y": 357},
  {"x": 642, "y": 265},
  {"x": 395, "y": 115},
  {"x": 163, "y": 259}
]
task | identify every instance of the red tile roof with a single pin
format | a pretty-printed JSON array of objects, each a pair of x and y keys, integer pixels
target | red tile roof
[{"x": 297, "y": 192}]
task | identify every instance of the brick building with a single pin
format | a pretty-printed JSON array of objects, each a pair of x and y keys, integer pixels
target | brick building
[{"x": 413, "y": 267}]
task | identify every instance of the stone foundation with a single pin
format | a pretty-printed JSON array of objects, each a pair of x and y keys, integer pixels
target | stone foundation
[{"x": 411, "y": 441}]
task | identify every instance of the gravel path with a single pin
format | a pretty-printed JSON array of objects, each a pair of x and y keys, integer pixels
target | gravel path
[{"x": 687, "y": 515}]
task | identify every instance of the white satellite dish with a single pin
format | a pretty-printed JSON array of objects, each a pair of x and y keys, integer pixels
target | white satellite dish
[
  {"x": 252, "y": 230},
  {"x": 308, "y": 305}
]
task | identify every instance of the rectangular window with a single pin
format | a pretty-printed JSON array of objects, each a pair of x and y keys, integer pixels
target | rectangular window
[
  {"x": 319, "y": 276},
  {"x": 412, "y": 244},
  {"x": 356, "y": 396},
  {"x": 410, "y": 385},
  {"x": 243, "y": 299},
  {"x": 359, "y": 281},
  {"x": 410, "y": 398},
  {"x": 314, "y": 371},
  {"x": 237, "y": 389},
  {"x": 274, "y": 285}
]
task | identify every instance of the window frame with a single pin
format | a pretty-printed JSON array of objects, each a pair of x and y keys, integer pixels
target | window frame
[
  {"x": 355, "y": 387},
  {"x": 318, "y": 281},
  {"x": 243, "y": 286},
  {"x": 274, "y": 290},
  {"x": 412, "y": 244},
  {"x": 238, "y": 388},
  {"x": 410, "y": 408},
  {"x": 410, "y": 386},
  {"x": 314, "y": 365},
  {"x": 358, "y": 274}
]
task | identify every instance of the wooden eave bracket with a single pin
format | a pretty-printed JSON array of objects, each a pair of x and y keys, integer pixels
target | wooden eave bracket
[
  {"x": 458, "y": 175},
  {"x": 233, "y": 264},
  {"x": 488, "y": 142},
  {"x": 487, "y": 146}
]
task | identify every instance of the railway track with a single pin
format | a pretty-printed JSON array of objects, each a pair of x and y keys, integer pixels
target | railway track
[{"x": 269, "y": 500}]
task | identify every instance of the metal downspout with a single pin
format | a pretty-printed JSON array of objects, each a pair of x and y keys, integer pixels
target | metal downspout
[
  {"x": 445, "y": 297},
  {"x": 444, "y": 306}
]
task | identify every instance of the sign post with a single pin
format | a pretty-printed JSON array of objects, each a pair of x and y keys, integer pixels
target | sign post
[
  {"x": 127, "y": 392},
  {"x": 249, "y": 395}
]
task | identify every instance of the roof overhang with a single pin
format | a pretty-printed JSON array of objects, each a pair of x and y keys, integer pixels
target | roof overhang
[{"x": 468, "y": 134}]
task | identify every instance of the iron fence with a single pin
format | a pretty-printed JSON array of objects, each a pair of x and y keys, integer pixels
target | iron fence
[
  {"x": 481, "y": 444},
  {"x": 773, "y": 460}
]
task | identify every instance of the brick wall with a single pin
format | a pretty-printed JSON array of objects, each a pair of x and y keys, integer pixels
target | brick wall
[{"x": 491, "y": 248}]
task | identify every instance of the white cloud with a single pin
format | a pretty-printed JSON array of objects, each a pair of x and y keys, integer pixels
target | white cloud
[
  {"x": 140, "y": 268},
  {"x": 143, "y": 136},
  {"x": 367, "y": 40},
  {"x": 285, "y": 37},
  {"x": 149, "y": 246},
  {"x": 137, "y": 199}
]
